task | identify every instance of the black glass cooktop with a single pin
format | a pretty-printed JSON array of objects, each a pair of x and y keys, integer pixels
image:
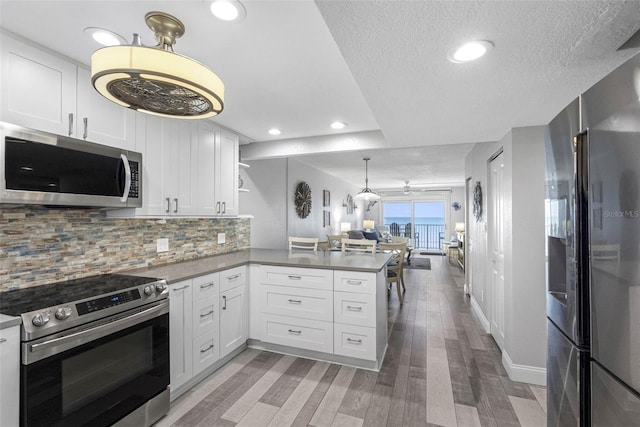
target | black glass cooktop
[{"x": 19, "y": 301}]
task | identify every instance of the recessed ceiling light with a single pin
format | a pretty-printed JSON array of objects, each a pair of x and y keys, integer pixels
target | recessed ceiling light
[
  {"x": 469, "y": 51},
  {"x": 228, "y": 10},
  {"x": 104, "y": 37},
  {"x": 275, "y": 131},
  {"x": 338, "y": 125}
]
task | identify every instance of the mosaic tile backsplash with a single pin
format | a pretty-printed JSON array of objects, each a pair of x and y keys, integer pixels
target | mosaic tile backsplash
[{"x": 40, "y": 245}]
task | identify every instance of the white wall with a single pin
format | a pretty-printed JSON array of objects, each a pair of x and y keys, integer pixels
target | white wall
[
  {"x": 270, "y": 200},
  {"x": 524, "y": 353},
  {"x": 457, "y": 195}
]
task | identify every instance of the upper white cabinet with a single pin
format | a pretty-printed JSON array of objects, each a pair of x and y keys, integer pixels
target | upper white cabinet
[
  {"x": 169, "y": 152},
  {"x": 38, "y": 89},
  {"x": 218, "y": 170},
  {"x": 43, "y": 91},
  {"x": 100, "y": 120}
]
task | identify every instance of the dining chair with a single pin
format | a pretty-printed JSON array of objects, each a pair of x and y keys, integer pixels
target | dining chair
[
  {"x": 358, "y": 245},
  {"x": 335, "y": 240},
  {"x": 395, "y": 266},
  {"x": 303, "y": 243}
]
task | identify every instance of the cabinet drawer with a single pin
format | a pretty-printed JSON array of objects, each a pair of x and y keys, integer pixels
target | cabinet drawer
[
  {"x": 233, "y": 277},
  {"x": 206, "y": 286},
  {"x": 297, "y": 302},
  {"x": 205, "y": 316},
  {"x": 313, "y": 335},
  {"x": 309, "y": 278},
  {"x": 354, "y": 309},
  {"x": 355, "y": 341},
  {"x": 205, "y": 351},
  {"x": 354, "y": 281}
]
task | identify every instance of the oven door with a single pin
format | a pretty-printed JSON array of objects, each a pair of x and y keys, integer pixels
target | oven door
[{"x": 99, "y": 373}]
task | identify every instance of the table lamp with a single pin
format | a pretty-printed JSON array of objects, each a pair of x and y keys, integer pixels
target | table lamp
[
  {"x": 345, "y": 226},
  {"x": 368, "y": 224},
  {"x": 459, "y": 227}
]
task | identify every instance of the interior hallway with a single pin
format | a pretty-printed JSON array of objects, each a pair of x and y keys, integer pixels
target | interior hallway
[{"x": 440, "y": 369}]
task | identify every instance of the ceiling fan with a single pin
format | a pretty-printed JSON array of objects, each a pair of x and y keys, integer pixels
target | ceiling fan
[{"x": 406, "y": 189}]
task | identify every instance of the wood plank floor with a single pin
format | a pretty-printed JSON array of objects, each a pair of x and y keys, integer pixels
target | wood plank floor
[{"x": 440, "y": 369}]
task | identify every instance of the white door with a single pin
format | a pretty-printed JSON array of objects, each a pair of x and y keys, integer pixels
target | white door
[
  {"x": 471, "y": 229},
  {"x": 496, "y": 246}
]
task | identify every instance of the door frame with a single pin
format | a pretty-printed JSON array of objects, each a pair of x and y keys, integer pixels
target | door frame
[{"x": 492, "y": 297}]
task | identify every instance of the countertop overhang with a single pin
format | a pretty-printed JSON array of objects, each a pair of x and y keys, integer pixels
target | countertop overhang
[{"x": 329, "y": 260}]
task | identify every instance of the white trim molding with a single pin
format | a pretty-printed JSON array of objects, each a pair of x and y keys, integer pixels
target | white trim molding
[
  {"x": 524, "y": 373},
  {"x": 483, "y": 319}
]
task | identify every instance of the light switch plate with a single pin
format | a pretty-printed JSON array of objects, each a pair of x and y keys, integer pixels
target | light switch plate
[
  {"x": 222, "y": 238},
  {"x": 162, "y": 245}
]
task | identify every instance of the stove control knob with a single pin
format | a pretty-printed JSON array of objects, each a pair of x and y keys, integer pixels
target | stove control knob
[
  {"x": 160, "y": 287},
  {"x": 63, "y": 313},
  {"x": 148, "y": 290},
  {"x": 40, "y": 319}
]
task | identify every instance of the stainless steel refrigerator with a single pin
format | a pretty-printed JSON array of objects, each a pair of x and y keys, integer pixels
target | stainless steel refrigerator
[{"x": 593, "y": 255}]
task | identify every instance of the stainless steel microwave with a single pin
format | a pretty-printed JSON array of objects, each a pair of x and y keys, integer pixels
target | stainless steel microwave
[{"x": 47, "y": 169}]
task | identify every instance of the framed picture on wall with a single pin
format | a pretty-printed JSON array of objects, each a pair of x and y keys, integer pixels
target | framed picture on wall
[
  {"x": 326, "y": 218},
  {"x": 326, "y": 198}
]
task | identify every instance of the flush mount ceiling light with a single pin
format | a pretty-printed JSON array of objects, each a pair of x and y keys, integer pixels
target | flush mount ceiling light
[
  {"x": 228, "y": 10},
  {"x": 338, "y": 125},
  {"x": 104, "y": 37},
  {"x": 275, "y": 131},
  {"x": 469, "y": 51},
  {"x": 366, "y": 193},
  {"x": 156, "y": 80}
]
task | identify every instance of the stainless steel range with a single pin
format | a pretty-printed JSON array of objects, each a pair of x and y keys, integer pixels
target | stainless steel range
[{"x": 95, "y": 351}]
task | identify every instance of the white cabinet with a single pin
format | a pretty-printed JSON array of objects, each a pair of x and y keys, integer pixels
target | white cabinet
[
  {"x": 100, "y": 120},
  {"x": 206, "y": 321},
  {"x": 169, "y": 181},
  {"x": 38, "y": 89},
  {"x": 9, "y": 376},
  {"x": 43, "y": 91},
  {"x": 180, "y": 333},
  {"x": 234, "y": 310},
  {"x": 218, "y": 170}
]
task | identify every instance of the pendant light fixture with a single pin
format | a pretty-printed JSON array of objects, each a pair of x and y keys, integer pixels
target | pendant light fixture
[
  {"x": 366, "y": 193},
  {"x": 156, "y": 80}
]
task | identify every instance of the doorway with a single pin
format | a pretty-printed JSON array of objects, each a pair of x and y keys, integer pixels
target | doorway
[
  {"x": 423, "y": 222},
  {"x": 496, "y": 246}
]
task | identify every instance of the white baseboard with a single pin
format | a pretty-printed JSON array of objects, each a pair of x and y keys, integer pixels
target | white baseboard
[
  {"x": 480, "y": 314},
  {"x": 524, "y": 373}
]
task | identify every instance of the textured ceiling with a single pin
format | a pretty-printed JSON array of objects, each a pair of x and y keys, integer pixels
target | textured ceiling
[{"x": 377, "y": 65}]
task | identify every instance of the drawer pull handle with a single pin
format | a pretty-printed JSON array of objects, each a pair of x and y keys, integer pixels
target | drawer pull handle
[
  {"x": 351, "y": 340},
  {"x": 179, "y": 289},
  {"x": 354, "y": 282},
  {"x": 206, "y": 314},
  {"x": 353, "y": 308},
  {"x": 234, "y": 277},
  {"x": 295, "y": 301},
  {"x": 3, "y": 340},
  {"x": 206, "y": 285},
  {"x": 207, "y": 349},
  {"x": 295, "y": 277},
  {"x": 292, "y": 331}
]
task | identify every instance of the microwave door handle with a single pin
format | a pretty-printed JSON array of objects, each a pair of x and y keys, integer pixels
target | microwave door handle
[{"x": 127, "y": 178}]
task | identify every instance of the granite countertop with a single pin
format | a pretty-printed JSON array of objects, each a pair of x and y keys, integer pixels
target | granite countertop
[
  {"x": 303, "y": 259},
  {"x": 8, "y": 321}
]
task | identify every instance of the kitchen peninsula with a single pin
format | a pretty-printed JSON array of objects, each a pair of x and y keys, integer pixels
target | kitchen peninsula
[{"x": 321, "y": 305}]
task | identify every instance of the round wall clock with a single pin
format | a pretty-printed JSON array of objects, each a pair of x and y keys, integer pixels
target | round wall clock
[
  {"x": 477, "y": 201},
  {"x": 302, "y": 199}
]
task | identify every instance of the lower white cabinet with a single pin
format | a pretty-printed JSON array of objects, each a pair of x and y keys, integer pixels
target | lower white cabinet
[
  {"x": 180, "y": 333},
  {"x": 9, "y": 376},
  {"x": 312, "y": 335},
  {"x": 234, "y": 323}
]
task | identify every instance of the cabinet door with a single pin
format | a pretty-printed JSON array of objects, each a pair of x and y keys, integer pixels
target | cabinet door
[
  {"x": 227, "y": 173},
  {"x": 233, "y": 324},
  {"x": 208, "y": 139},
  {"x": 38, "y": 89},
  {"x": 180, "y": 333},
  {"x": 9, "y": 376},
  {"x": 150, "y": 142},
  {"x": 182, "y": 179},
  {"x": 107, "y": 122}
]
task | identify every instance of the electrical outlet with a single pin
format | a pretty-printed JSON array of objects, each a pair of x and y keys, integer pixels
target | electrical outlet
[
  {"x": 162, "y": 245},
  {"x": 222, "y": 238}
]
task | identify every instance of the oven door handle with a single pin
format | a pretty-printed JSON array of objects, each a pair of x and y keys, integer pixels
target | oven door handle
[{"x": 53, "y": 346}]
